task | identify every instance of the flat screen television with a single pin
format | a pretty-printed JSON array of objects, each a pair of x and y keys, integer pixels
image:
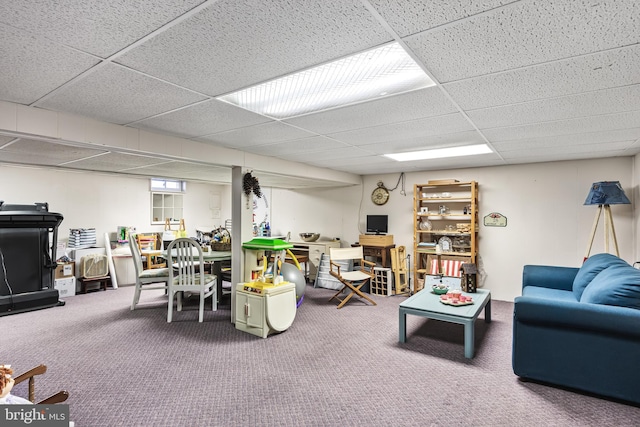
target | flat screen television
[{"x": 377, "y": 224}]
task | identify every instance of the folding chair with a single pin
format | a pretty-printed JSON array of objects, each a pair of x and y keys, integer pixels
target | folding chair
[{"x": 352, "y": 280}]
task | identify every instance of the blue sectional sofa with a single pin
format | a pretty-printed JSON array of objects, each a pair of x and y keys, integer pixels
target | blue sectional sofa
[{"x": 580, "y": 327}]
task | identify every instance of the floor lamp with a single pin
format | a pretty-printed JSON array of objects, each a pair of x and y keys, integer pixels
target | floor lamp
[{"x": 604, "y": 194}]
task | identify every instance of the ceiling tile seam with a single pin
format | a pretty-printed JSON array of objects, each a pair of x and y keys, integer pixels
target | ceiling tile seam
[
  {"x": 522, "y": 145},
  {"x": 9, "y": 143},
  {"x": 159, "y": 30},
  {"x": 396, "y": 37},
  {"x": 540, "y": 64},
  {"x": 570, "y": 95},
  {"x": 538, "y": 122},
  {"x": 101, "y": 64},
  {"x": 145, "y": 166},
  {"x": 83, "y": 159},
  {"x": 110, "y": 58},
  {"x": 424, "y": 67},
  {"x": 174, "y": 110}
]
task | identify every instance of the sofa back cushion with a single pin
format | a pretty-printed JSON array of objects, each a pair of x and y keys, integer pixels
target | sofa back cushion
[
  {"x": 590, "y": 269},
  {"x": 617, "y": 285}
]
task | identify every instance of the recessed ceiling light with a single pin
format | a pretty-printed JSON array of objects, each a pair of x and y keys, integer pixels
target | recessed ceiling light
[
  {"x": 440, "y": 153},
  {"x": 367, "y": 75}
]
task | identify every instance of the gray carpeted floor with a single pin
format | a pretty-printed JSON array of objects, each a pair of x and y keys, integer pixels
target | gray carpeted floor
[{"x": 331, "y": 368}]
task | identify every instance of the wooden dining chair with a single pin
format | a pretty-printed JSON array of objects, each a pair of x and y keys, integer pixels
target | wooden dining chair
[
  {"x": 352, "y": 280},
  {"x": 186, "y": 274},
  {"x": 149, "y": 243}
]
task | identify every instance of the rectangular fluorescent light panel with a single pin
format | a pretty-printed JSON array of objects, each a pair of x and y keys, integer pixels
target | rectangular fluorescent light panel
[
  {"x": 441, "y": 153},
  {"x": 383, "y": 71}
]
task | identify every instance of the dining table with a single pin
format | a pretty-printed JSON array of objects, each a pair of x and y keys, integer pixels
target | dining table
[{"x": 212, "y": 259}]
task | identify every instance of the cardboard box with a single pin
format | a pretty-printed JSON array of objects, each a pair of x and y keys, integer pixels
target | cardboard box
[
  {"x": 65, "y": 270},
  {"x": 66, "y": 287},
  {"x": 376, "y": 239}
]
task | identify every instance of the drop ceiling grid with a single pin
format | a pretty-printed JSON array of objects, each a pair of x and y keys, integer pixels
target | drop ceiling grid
[
  {"x": 408, "y": 17},
  {"x": 416, "y": 104},
  {"x": 32, "y": 66},
  {"x": 223, "y": 47},
  {"x": 24, "y": 151},
  {"x": 604, "y": 101},
  {"x": 583, "y": 138},
  {"x": 113, "y": 161},
  {"x": 259, "y": 134},
  {"x": 307, "y": 146},
  {"x": 118, "y": 95},
  {"x": 449, "y": 123},
  {"x": 203, "y": 119},
  {"x": 538, "y": 31},
  {"x": 401, "y": 144},
  {"x": 604, "y": 70},
  {"x": 99, "y": 27},
  {"x": 606, "y": 122}
]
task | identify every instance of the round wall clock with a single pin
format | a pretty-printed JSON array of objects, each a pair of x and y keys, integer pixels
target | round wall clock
[{"x": 380, "y": 195}]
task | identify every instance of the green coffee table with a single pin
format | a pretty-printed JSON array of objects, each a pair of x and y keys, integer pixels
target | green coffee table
[{"x": 427, "y": 304}]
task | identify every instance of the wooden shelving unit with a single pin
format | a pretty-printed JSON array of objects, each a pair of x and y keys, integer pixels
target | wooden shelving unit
[{"x": 444, "y": 213}]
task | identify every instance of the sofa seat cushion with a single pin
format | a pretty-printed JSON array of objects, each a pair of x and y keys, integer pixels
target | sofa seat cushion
[
  {"x": 617, "y": 285},
  {"x": 549, "y": 293},
  {"x": 591, "y": 268}
]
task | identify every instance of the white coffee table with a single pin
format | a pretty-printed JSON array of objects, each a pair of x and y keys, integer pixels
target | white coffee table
[{"x": 427, "y": 304}]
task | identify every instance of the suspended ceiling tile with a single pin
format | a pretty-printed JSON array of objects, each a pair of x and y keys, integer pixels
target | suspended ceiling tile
[
  {"x": 202, "y": 119},
  {"x": 401, "y": 144},
  {"x": 98, "y": 27},
  {"x": 566, "y": 127},
  {"x": 590, "y": 138},
  {"x": 31, "y": 151},
  {"x": 267, "y": 133},
  {"x": 585, "y": 104},
  {"x": 582, "y": 74},
  {"x": 409, "y": 16},
  {"x": 538, "y": 31},
  {"x": 185, "y": 170},
  {"x": 117, "y": 95},
  {"x": 234, "y": 44},
  {"x": 114, "y": 162},
  {"x": 590, "y": 150},
  {"x": 404, "y": 107},
  {"x": 454, "y": 162},
  {"x": 305, "y": 145},
  {"x": 32, "y": 66},
  {"x": 429, "y": 126},
  {"x": 346, "y": 154},
  {"x": 5, "y": 139}
]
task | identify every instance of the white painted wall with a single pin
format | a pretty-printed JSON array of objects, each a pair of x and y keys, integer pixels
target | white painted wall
[
  {"x": 104, "y": 202},
  {"x": 547, "y": 222}
]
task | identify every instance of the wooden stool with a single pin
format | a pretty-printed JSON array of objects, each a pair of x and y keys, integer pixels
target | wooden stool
[{"x": 102, "y": 281}]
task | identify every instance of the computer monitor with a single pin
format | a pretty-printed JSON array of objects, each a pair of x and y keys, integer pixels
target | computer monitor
[{"x": 378, "y": 224}]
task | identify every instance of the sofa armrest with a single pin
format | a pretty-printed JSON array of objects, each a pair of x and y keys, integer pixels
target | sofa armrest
[
  {"x": 546, "y": 276},
  {"x": 598, "y": 318}
]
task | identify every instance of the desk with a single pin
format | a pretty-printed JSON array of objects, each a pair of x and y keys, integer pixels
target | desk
[{"x": 382, "y": 252}]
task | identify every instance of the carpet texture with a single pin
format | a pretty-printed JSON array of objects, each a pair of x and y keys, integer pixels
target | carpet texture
[{"x": 331, "y": 368}]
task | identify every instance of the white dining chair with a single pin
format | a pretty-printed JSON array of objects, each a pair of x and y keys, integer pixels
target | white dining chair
[
  {"x": 146, "y": 279},
  {"x": 187, "y": 275}
]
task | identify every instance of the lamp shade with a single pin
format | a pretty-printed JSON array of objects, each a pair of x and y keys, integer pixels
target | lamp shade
[{"x": 606, "y": 193}]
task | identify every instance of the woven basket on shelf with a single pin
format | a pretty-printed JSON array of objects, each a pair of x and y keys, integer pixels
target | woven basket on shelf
[{"x": 217, "y": 246}]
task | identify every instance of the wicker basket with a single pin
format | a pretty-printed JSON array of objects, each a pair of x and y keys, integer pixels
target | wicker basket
[{"x": 223, "y": 247}]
